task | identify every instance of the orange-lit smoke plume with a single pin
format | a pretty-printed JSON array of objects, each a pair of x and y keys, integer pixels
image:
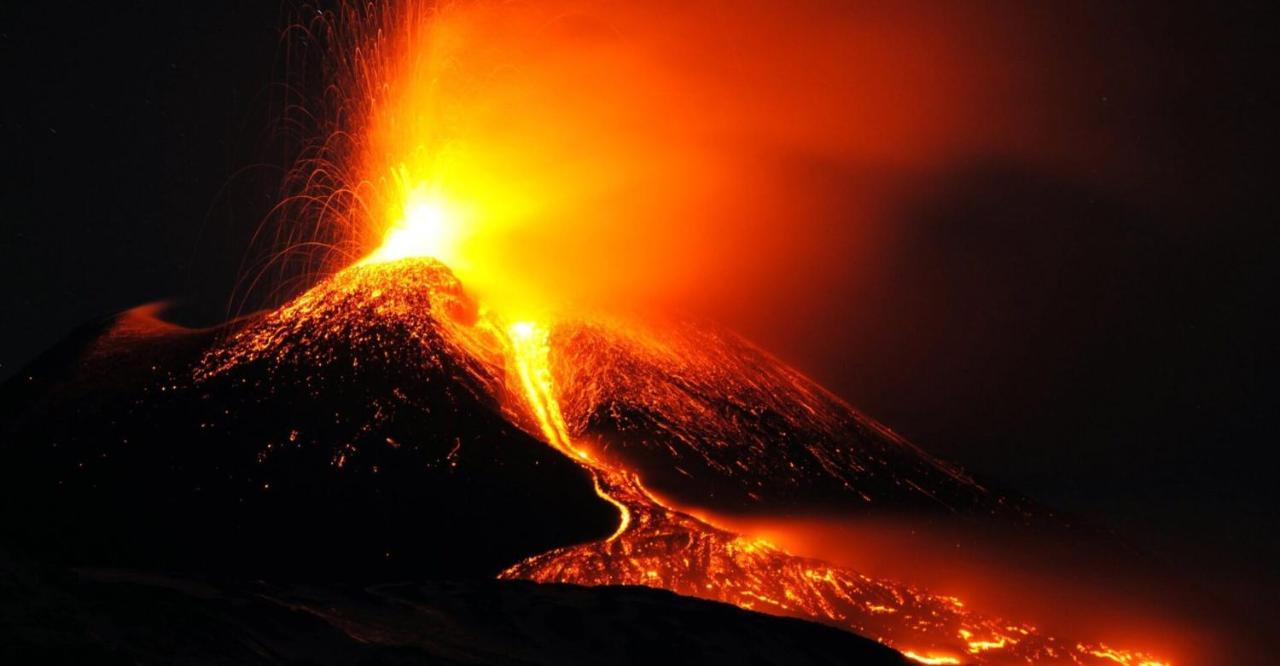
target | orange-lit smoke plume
[{"x": 645, "y": 154}]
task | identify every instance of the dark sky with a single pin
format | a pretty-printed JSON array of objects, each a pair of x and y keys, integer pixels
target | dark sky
[{"x": 1104, "y": 343}]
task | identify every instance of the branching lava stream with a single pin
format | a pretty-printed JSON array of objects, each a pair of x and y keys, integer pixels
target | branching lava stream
[{"x": 659, "y": 546}]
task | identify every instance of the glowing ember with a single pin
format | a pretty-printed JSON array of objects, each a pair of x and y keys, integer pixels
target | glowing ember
[{"x": 930, "y": 659}]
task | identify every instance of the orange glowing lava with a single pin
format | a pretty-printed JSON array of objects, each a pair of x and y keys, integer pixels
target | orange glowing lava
[{"x": 931, "y": 658}]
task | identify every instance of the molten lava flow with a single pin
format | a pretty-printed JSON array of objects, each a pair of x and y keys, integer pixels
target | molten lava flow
[
  {"x": 658, "y": 546},
  {"x": 930, "y": 659},
  {"x": 529, "y": 353},
  {"x": 664, "y": 548}
]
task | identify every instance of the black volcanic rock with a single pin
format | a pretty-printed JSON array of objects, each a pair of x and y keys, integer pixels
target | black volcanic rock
[
  {"x": 341, "y": 437},
  {"x": 130, "y": 617}
]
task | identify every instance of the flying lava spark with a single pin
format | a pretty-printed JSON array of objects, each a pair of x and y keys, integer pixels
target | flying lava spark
[{"x": 456, "y": 135}]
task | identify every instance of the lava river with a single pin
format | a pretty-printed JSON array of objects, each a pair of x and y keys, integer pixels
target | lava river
[{"x": 659, "y": 546}]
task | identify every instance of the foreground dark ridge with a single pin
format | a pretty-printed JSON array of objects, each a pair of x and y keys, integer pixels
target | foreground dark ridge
[{"x": 127, "y": 617}]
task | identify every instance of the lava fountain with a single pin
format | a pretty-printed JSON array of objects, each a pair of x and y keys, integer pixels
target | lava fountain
[{"x": 472, "y": 134}]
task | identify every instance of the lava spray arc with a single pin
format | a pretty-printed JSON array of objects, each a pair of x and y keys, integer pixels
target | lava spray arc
[
  {"x": 557, "y": 154},
  {"x": 599, "y": 151}
]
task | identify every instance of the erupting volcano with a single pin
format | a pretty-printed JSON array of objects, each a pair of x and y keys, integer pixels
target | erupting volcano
[
  {"x": 423, "y": 409},
  {"x": 689, "y": 399}
]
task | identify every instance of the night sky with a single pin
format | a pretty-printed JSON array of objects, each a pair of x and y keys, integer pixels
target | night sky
[{"x": 1104, "y": 344}]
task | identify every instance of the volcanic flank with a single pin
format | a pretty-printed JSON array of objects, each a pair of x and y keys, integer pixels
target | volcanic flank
[
  {"x": 347, "y": 434},
  {"x": 385, "y": 425},
  {"x": 710, "y": 420}
]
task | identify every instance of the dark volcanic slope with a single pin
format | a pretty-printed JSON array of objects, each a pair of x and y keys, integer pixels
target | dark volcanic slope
[
  {"x": 342, "y": 436},
  {"x": 105, "y": 617},
  {"x": 709, "y": 419}
]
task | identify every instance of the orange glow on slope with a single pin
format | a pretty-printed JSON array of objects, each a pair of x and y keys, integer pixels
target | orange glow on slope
[
  {"x": 1122, "y": 657},
  {"x": 930, "y": 659},
  {"x": 976, "y": 646}
]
